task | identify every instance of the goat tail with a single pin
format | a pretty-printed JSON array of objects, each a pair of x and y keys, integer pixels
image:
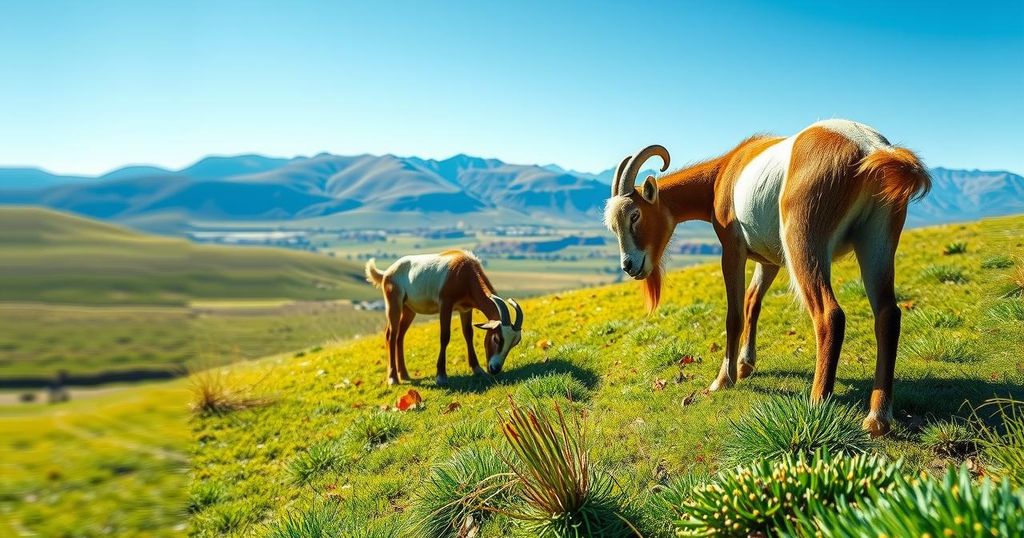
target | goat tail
[
  {"x": 373, "y": 275},
  {"x": 899, "y": 174}
]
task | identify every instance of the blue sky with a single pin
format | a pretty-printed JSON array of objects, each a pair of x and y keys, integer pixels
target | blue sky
[{"x": 89, "y": 86}]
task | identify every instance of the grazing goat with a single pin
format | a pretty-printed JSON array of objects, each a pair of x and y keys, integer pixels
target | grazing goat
[
  {"x": 442, "y": 283},
  {"x": 799, "y": 201}
]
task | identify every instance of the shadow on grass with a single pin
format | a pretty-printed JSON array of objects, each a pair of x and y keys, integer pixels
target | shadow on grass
[
  {"x": 514, "y": 376},
  {"x": 933, "y": 397}
]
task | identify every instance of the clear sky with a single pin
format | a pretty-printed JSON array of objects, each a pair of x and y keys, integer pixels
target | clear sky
[{"x": 89, "y": 86}]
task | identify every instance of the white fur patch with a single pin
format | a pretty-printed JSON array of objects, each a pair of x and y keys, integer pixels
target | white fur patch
[
  {"x": 756, "y": 200},
  {"x": 421, "y": 277},
  {"x": 866, "y": 138}
]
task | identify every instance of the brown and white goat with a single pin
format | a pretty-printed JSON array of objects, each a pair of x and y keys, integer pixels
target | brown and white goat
[
  {"x": 799, "y": 201},
  {"x": 452, "y": 281}
]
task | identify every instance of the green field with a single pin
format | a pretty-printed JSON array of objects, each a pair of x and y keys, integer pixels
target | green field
[
  {"x": 649, "y": 421},
  {"x": 54, "y": 257}
]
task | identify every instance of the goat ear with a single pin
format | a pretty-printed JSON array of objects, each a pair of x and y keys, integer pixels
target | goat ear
[
  {"x": 492, "y": 324},
  {"x": 650, "y": 190}
]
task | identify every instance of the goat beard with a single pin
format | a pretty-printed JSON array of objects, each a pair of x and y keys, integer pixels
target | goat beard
[{"x": 652, "y": 288}]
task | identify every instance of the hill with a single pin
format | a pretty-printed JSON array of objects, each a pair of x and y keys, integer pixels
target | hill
[
  {"x": 374, "y": 191},
  {"x": 649, "y": 420},
  {"x": 59, "y": 258}
]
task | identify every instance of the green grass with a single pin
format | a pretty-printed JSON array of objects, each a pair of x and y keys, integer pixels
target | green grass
[
  {"x": 641, "y": 431},
  {"x": 53, "y": 257}
]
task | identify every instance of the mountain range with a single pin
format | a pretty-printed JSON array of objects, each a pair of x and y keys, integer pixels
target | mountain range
[{"x": 370, "y": 190}]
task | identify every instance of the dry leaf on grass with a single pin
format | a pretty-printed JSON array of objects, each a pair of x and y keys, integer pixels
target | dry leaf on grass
[
  {"x": 409, "y": 400},
  {"x": 659, "y": 384},
  {"x": 544, "y": 345},
  {"x": 454, "y": 406},
  {"x": 689, "y": 399}
]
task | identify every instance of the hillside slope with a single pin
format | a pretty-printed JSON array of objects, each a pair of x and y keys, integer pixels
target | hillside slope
[
  {"x": 55, "y": 257},
  {"x": 648, "y": 418}
]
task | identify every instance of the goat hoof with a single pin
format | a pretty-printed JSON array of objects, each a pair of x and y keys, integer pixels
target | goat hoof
[
  {"x": 745, "y": 370},
  {"x": 479, "y": 371},
  {"x": 393, "y": 381},
  {"x": 442, "y": 381},
  {"x": 721, "y": 383},
  {"x": 876, "y": 426},
  {"x": 404, "y": 377}
]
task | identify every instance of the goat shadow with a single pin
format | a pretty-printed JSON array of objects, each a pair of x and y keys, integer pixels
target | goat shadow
[
  {"x": 469, "y": 383},
  {"x": 926, "y": 398}
]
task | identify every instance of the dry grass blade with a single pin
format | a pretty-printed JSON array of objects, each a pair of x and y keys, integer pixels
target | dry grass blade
[{"x": 214, "y": 391}]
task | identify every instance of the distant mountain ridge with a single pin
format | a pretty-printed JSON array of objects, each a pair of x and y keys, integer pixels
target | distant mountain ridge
[{"x": 256, "y": 188}]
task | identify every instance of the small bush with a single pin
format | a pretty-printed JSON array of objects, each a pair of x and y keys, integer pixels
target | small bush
[
  {"x": 552, "y": 385},
  {"x": 1007, "y": 311},
  {"x": 375, "y": 429},
  {"x": 215, "y": 392},
  {"x": 936, "y": 319},
  {"x": 956, "y": 247},
  {"x": 461, "y": 493},
  {"x": 316, "y": 460},
  {"x": 562, "y": 492},
  {"x": 945, "y": 274},
  {"x": 941, "y": 349},
  {"x": 793, "y": 425},
  {"x": 950, "y": 439},
  {"x": 954, "y": 506},
  {"x": 997, "y": 262},
  {"x": 765, "y": 495}
]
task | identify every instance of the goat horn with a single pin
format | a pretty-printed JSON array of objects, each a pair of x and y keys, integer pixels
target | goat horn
[
  {"x": 628, "y": 182},
  {"x": 617, "y": 178},
  {"x": 502, "y": 309},
  {"x": 518, "y": 325}
]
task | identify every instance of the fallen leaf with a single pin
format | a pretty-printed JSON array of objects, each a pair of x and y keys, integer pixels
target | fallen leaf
[
  {"x": 409, "y": 400},
  {"x": 454, "y": 406},
  {"x": 659, "y": 384},
  {"x": 714, "y": 347},
  {"x": 907, "y": 305},
  {"x": 791, "y": 332},
  {"x": 686, "y": 359},
  {"x": 544, "y": 345}
]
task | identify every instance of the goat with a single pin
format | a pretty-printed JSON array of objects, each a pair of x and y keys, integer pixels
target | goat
[
  {"x": 799, "y": 202},
  {"x": 453, "y": 280}
]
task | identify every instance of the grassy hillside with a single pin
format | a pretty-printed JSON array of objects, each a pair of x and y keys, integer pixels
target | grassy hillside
[
  {"x": 59, "y": 258},
  {"x": 323, "y": 438}
]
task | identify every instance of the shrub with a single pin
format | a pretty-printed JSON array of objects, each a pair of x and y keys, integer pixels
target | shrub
[
  {"x": 767, "y": 495},
  {"x": 956, "y": 247},
  {"x": 933, "y": 347},
  {"x": 954, "y": 506},
  {"x": 552, "y": 385},
  {"x": 215, "y": 392},
  {"x": 1007, "y": 311},
  {"x": 461, "y": 493},
  {"x": 945, "y": 274},
  {"x": 374, "y": 429},
  {"x": 950, "y": 439},
  {"x": 563, "y": 493},
  {"x": 316, "y": 460},
  {"x": 785, "y": 425}
]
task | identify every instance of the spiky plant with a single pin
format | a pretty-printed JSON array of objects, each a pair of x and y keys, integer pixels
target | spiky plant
[
  {"x": 953, "y": 506},
  {"x": 785, "y": 425},
  {"x": 462, "y": 493},
  {"x": 762, "y": 497},
  {"x": 956, "y": 247},
  {"x": 563, "y": 495},
  {"x": 375, "y": 428},
  {"x": 953, "y": 439},
  {"x": 318, "y": 459}
]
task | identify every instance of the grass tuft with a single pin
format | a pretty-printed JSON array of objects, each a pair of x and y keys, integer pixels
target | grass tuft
[
  {"x": 467, "y": 431},
  {"x": 941, "y": 348},
  {"x": 215, "y": 392},
  {"x": 793, "y": 425},
  {"x": 952, "y": 439},
  {"x": 936, "y": 319},
  {"x": 1007, "y": 311},
  {"x": 997, "y": 262},
  {"x": 1003, "y": 447},
  {"x": 945, "y": 274},
  {"x": 325, "y": 519},
  {"x": 316, "y": 460},
  {"x": 552, "y": 386},
  {"x": 204, "y": 494},
  {"x": 374, "y": 429},
  {"x": 462, "y": 493},
  {"x": 956, "y": 247},
  {"x": 562, "y": 492}
]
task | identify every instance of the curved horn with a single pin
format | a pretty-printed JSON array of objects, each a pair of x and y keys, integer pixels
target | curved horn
[
  {"x": 628, "y": 182},
  {"x": 502, "y": 309},
  {"x": 518, "y": 325},
  {"x": 617, "y": 178}
]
